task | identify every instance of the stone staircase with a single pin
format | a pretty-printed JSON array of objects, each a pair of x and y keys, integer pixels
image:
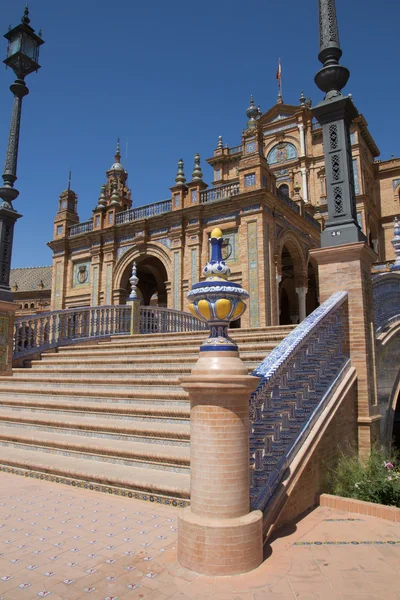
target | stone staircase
[{"x": 112, "y": 416}]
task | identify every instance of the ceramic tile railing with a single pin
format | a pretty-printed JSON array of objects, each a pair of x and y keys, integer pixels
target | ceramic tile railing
[
  {"x": 386, "y": 291},
  {"x": 219, "y": 193},
  {"x": 81, "y": 228},
  {"x": 37, "y": 333},
  {"x": 288, "y": 201},
  {"x": 144, "y": 212},
  {"x": 154, "y": 319},
  {"x": 297, "y": 380}
]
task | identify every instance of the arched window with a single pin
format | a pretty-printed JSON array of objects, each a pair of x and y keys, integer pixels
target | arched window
[
  {"x": 26, "y": 306},
  {"x": 284, "y": 189},
  {"x": 281, "y": 153},
  {"x": 32, "y": 305}
]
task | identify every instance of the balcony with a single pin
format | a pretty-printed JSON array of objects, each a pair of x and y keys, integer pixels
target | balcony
[
  {"x": 144, "y": 212},
  {"x": 219, "y": 193},
  {"x": 81, "y": 228}
]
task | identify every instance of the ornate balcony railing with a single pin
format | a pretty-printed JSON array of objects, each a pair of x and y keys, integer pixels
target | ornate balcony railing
[
  {"x": 288, "y": 201},
  {"x": 219, "y": 193},
  {"x": 235, "y": 149},
  {"x": 37, "y": 333},
  {"x": 313, "y": 221},
  {"x": 81, "y": 228},
  {"x": 154, "y": 319},
  {"x": 143, "y": 212},
  {"x": 386, "y": 293},
  {"x": 297, "y": 380}
]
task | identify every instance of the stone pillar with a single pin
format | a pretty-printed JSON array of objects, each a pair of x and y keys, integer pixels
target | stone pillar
[
  {"x": 134, "y": 302},
  {"x": 218, "y": 535},
  {"x": 301, "y": 295},
  {"x": 304, "y": 187},
  {"x": 278, "y": 279},
  {"x": 348, "y": 267},
  {"x": 7, "y": 317},
  {"x": 302, "y": 139}
]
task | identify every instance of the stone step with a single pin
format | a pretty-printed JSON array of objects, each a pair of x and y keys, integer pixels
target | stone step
[
  {"x": 86, "y": 395},
  {"x": 96, "y": 473},
  {"x": 86, "y": 376},
  {"x": 70, "y": 384},
  {"x": 139, "y": 454},
  {"x": 72, "y": 406},
  {"x": 247, "y": 331},
  {"x": 111, "y": 428},
  {"x": 62, "y": 390},
  {"x": 161, "y": 351}
]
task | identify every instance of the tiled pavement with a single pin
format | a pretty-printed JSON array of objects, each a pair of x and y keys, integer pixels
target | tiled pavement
[{"x": 57, "y": 542}]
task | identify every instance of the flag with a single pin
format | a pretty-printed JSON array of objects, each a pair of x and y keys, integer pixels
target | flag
[{"x": 279, "y": 72}]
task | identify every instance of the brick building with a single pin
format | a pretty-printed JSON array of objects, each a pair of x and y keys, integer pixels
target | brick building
[
  {"x": 31, "y": 287},
  {"x": 268, "y": 195}
]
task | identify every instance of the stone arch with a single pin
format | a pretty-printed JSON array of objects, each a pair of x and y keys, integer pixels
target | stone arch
[
  {"x": 292, "y": 268},
  {"x": 153, "y": 271},
  {"x": 297, "y": 252}
]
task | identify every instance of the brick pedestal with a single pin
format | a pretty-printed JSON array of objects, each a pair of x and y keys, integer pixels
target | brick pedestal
[
  {"x": 348, "y": 268},
  {"x": 217, "y": 534},
  {"x": 7, "y": 316}
]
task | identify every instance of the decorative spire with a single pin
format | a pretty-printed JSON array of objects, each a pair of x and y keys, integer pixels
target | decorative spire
[
  {"x": 197, "y": 174},
  {"x": 180, "y": 176},
  {"x": 302, "y": 99},
  {"x": 25, "y": 18},
  {"x": 118, "y": 153},
  {"x": 102, "y": 198},
  {"x": 279, "y": 99},
  {"x": 332, "y": 77},
  {"x": 114, "y": 199},
  {"x": 220, "y": 142},
  {"x": 396, "y": 245},
  {"x": 133, "y": 280},
  {"x": 252, "y": 113}
]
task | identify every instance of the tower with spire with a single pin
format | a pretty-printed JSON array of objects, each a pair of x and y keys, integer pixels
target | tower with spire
[{"x": 117, "y": 192}]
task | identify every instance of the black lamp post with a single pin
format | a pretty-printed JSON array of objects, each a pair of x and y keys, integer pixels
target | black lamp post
[{"x": 22, "y": 57}]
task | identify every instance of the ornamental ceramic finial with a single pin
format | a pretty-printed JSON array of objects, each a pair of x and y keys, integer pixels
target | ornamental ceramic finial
[
  {"x": 197, "y": 174},
  {"x": 396, "y": 245},
  {"x": 133, "y": 280},
  {"x": 217, "y": 301},
  {"x": 102, "y": 203},
  {"x": 302, "y": 99},
  {"x": 180, "y": 176},
  {"x": 118, "y": 152},
  {"x": 252, "y": 113},
  {"x": 114, "y": 199},
  {"x": 220, "y": 142}
]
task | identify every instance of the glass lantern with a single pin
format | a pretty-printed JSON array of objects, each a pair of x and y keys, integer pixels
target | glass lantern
[{"x": 23, "y": 49}]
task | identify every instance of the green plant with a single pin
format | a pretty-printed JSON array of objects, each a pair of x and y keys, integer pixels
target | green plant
[{"x": 374, "y": 480}]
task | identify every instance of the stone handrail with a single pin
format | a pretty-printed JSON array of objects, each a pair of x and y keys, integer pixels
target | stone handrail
[
  {"x": 37, "y": 333},
  {"x": 219, "y": 193},
  {"x": 81, "y": 228},
  {"x": 386, "y": 293},
  {"x": 144, "y": 212},
  {"x": 235, "y": 149},
  {"x": 297, "y": 380},
  {"x": 312, "y": 221}
]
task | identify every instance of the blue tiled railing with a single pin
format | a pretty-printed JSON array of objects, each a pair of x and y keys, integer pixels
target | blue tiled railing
[
  {"x": 288, "y": 201},
  {"x": 386, "y": 291},
  {"x": 81, "y": 228},
  {"x": 235, "y": 149},
  {"x": 313, "y": 221},
  {"x": 297, "y": 380},
  {"x": 219, "y": 193}
]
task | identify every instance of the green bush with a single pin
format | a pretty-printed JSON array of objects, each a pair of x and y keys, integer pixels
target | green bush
[{"x": 375, "y": 480}]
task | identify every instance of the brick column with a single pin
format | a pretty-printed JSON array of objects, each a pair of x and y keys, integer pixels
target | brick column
[
  {"x": 217, "y": 533},
  {"x": 348, "y": 267}
]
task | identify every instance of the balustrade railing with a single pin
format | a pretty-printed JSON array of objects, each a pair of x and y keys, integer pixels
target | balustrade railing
[
  {"x": 143, "y": 212},
  {"x": 81, "y": 228},
  {"x": 386, "y": 294},
  {"x": 297, "y": 380},
  {"x": 313, "y": 221},
  {"x": 235, "y": 149},
  {"x": 37, "y": 333},
  {"x": 219, "y": 193},
  {"x": 155, "y": 319},
  {"x": 288, "y": 201}
]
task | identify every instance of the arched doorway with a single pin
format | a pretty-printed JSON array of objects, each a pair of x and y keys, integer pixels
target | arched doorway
[
  {"x": 312, "y": 301},
  {"x": 152, "y": 277},
  {"x": 289, "y": 312}
]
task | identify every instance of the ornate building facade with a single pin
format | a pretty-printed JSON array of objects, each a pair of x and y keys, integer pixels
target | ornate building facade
[{"x": 268, "y": 196}]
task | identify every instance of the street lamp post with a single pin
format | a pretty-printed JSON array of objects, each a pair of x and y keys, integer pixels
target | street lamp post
[{"x": 22, "y": 57}]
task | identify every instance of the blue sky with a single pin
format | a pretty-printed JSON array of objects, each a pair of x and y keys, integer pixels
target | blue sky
[{"x": 170, "y": 77}]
